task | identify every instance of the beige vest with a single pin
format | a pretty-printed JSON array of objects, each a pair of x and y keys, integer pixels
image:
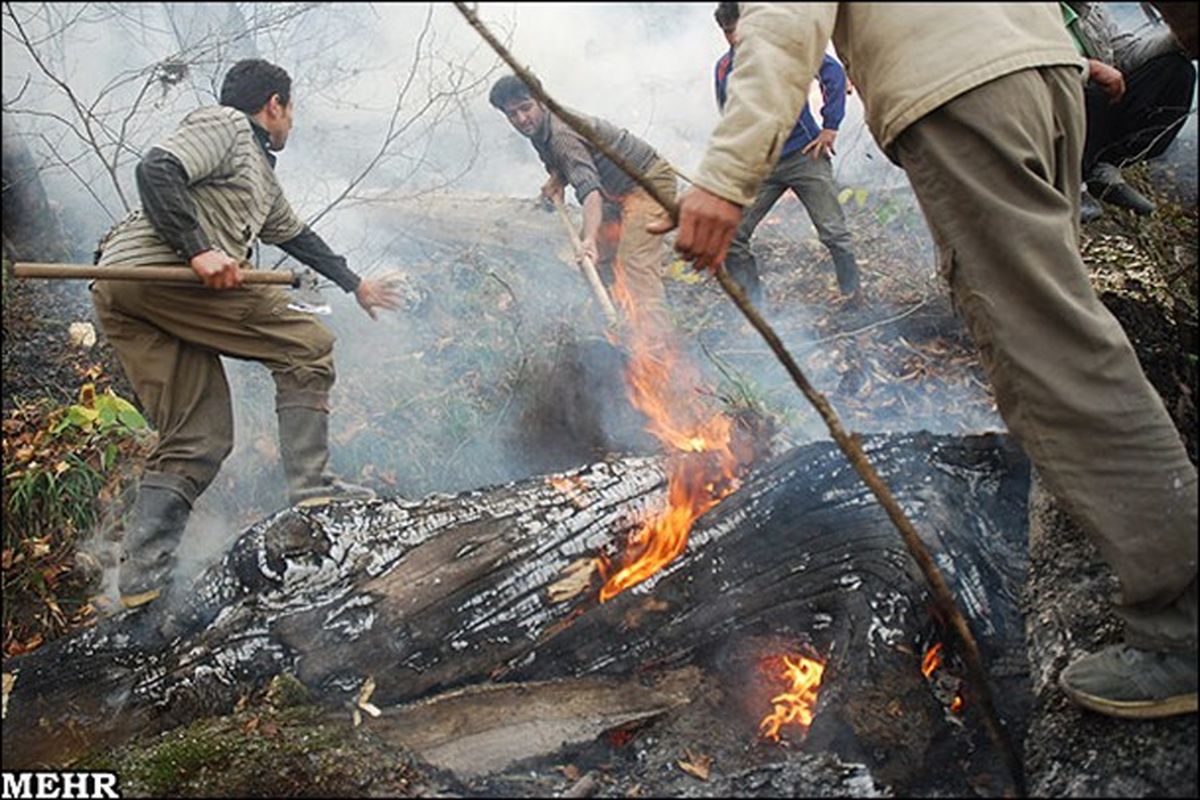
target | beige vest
[
  {"x": 237, "y": 196},
  {"x": 904, "y": 59}
]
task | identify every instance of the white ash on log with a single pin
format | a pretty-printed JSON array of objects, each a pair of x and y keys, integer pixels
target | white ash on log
[{"x": 428, "y": 596}]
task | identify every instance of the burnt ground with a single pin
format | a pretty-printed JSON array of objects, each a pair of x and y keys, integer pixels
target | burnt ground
[{"x": 901, "y": 361}]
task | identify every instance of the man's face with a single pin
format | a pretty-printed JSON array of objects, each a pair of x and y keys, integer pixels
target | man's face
[
  {"x": 730, "y": 31},
  {"x": 278, "y": 121},
  {"x": 525, "y": 115}
]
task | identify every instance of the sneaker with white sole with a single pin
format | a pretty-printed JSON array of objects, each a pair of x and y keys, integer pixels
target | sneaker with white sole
[{"x": 1125, "y": 681}]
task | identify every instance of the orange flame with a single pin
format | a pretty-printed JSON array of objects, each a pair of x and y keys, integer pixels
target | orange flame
[
  {"x": 932, "y": 660},
  {"x": 701, "y": 472},
  {"x": 798, "y": 703},
  {"x": 930, "y": 664}
]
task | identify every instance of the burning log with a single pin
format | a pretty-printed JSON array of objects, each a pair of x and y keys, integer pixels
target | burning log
[{"x": 449, "y": 592}]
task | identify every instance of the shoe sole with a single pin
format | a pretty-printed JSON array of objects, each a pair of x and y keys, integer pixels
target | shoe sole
[{"x": 1135, "y": 709}]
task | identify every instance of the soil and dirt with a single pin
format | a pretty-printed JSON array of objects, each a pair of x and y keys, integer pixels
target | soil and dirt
[{"x": 901, "y": 361}]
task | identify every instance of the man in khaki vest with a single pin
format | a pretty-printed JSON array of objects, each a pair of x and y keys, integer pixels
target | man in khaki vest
[
  {"x": 208, "y": 193},
  {"x": 982, "y": 105}
]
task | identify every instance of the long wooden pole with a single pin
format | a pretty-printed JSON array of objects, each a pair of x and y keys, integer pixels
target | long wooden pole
[
  {"x": 942, "y": 596},
  {"x": 587, "y": 267},
  {"x": 158, "y": 274}
]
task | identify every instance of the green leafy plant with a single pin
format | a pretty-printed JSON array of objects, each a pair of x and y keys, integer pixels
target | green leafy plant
[{"x": 63, "y": 465}]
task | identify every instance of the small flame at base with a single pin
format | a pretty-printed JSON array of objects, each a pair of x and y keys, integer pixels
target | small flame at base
[{"x": 798, "y": 704}]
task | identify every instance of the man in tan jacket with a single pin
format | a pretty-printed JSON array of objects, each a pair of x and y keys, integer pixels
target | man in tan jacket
[{"x": 982, "y": 106}]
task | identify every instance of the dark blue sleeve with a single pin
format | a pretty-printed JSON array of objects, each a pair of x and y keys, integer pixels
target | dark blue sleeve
[
  {"x": 833, "y": 90},
  {"x": 720, "y": 76}
]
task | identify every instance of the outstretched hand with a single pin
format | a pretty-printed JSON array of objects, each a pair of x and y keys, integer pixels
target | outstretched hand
[
  {"x": 373, "y": 293},
  {"x": 707, "y": 224}
]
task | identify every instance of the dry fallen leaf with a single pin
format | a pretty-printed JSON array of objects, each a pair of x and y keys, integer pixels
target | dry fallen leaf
[
  {"x": 570, "y": 772},
  {"x": 364, "y": 696},
  {"x": 577, "y": 577},
  {"x": 696, "y": 765},
  {"x": 10, "y": 678},
  {"x": 81, "y": 334}
]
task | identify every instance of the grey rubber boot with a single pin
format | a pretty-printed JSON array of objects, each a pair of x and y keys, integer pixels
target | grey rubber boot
[
  {"x": 1106, "y": 182},
  {"x": 148, "y": 549},
  {"x": 847, "y": 272},
  {"x": 1124, "y": 681},
  {"x": 304, "y": 448},
  {"x": 1089, "y": 209}
]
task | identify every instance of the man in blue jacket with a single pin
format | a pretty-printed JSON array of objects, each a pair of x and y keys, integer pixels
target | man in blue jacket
[{"x": 804, "y": 167}]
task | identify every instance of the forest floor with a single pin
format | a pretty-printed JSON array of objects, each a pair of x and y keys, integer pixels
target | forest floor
[{"x": 437, "y": 406}]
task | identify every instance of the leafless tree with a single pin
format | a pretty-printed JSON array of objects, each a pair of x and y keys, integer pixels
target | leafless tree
[{"x": 90, "y": 114}]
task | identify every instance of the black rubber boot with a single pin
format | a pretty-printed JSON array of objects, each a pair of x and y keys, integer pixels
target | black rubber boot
[
  {"x": 148, "y": 549},
  {"x": 847, "y": 272},
  {"x": 745, "y": 275},
  {"x": 304, "y": 447}
]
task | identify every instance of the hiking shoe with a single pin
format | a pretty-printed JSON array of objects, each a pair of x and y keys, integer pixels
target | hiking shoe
[
  {"x": 336, "y": 489},
  {"x": 1124, "y": 681}
]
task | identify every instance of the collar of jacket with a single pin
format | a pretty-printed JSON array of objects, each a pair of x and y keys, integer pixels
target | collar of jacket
[{"x": 264, "y": 139}]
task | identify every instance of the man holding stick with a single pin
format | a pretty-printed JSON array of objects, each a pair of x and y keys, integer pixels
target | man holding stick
[
  {"x": 982, "y": 105},
  {"x": 604, "y": 191},
  {"x": 208, "y": 192}
]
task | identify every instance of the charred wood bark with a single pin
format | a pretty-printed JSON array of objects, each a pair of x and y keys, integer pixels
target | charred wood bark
[{"x": 448, "y": 592}]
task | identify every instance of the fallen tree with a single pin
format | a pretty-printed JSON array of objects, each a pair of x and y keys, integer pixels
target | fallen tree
[{"x": 417, "y": 598}]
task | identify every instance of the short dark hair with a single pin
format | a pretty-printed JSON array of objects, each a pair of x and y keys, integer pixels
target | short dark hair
[
  {"x": 726, "y": 14},
  {"x": 509, "y": 89},
  {"x": 251, "y": 83}
]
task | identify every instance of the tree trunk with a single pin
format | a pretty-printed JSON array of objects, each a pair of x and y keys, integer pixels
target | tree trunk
[
  {"x": 32, "y": 229},
  {"x": 448, "y": 592}
]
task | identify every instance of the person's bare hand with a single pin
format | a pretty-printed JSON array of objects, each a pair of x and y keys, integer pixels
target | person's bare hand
[
  {"x": 821, "y": 145},
  {"x": 217, "y": 269},
  {"x": 589, "y": 250},
  {"x": 1109, "y": 79},
  {"x": 707, "y": 224},
  {"x": 373, "y": 293},
  {"x": 552, "y": 189}
]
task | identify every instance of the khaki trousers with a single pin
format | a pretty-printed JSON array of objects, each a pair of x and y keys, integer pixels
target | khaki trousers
[
  {"x": 997, "y": 174},
  {"x": 637, "y": 265},
  {"x": 169, "y": 339}
]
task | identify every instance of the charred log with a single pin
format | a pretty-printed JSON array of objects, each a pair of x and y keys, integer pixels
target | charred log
[{"x": 449, "y": 592}]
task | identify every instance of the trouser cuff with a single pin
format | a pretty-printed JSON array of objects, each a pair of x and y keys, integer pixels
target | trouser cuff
[
  {"x": 178, "y": 484},
  {"x": 302, "y": 398}
]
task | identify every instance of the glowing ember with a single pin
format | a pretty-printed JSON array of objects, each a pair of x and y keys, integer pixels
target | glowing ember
[
  {"x": 930, "y": 664},
  {"x": 797, "y": 704},
  {"x": 932, "y": 660},
  {"x": 702, "y": 468}
]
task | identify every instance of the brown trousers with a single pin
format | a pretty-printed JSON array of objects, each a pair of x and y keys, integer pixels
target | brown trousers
[
  {"x": 169, "y": 339},
  {"x": 997, "y": 174}
]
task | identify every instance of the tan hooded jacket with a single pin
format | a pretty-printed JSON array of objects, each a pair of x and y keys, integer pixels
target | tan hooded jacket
[{"x": 905, "y": 60}]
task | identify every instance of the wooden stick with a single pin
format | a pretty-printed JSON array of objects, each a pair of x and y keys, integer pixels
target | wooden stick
[
  {"x": 587, "y": 267},
  {"x": 942, "y": 596},
  {"x": 155, "y": 273}
]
